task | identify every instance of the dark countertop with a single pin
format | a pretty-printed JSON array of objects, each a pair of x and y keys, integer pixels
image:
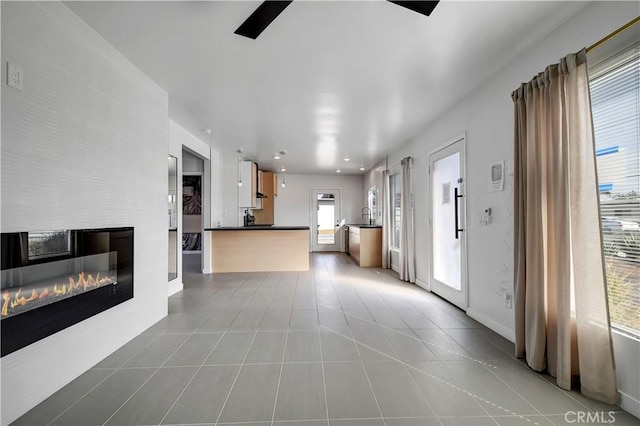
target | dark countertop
[
  {"x": 259, "y": 228},
  {"x": 363, "y": 225}
]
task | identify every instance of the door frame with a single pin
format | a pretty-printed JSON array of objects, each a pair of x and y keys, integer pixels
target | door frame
[
  {"x": 313, "y": 219},
  {"x": 443, "y": 290}
]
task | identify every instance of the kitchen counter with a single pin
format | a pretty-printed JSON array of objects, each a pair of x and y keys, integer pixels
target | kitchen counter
[
  {"x": 365, "y": 244},
  {"x": 259, "y": 228},
  {"x": 359, "y": 225},
  {"x": 259, "y": 248}
]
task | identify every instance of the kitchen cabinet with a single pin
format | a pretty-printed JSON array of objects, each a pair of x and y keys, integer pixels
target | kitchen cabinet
[
  {"x": 259, "y": 248},
  {"x": 248, "y": 192},
  {"x": 365, "y": 245},
  {"x": 265, "y": 216}
]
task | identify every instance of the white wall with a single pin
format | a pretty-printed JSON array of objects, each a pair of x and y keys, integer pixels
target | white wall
[
  {"x": 230, "y": 215},
  {"x": 84, "y": 145},
  {"x": 293, "y": 203},
  {"x": 191, "y": 163},
  {"x": 487, "y": 117},
  {"x": 200, "y": 157}
]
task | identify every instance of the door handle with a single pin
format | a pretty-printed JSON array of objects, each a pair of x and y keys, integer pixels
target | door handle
[{"x": 455, "y": 211}]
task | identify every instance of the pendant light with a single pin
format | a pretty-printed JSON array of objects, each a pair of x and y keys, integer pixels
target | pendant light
[
  {"x": 283, "y": 169},
  {"x": 239, "y": 151}
]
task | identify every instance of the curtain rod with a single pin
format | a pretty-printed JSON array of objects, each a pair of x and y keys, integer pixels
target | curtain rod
[{"x": 614, "y": 34}]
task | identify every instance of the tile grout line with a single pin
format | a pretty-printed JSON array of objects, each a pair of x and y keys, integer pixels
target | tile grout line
[
  {"x": 192, "y": 377},
  {"x": 236, "y": 378},
  {"x": 148, "y": 378},
  {"x": 103, "y": 380},
  {"x": 420, "y": 340},
  {"x": 516, "y": 392},
  {"x": 412, "y": 379},
  {"x": 375, "y": 398},
  {"x": 420, "y": 390},
  {"x": 275, "y": 401},
  {"x": 434, "y": 377},
  {"x": 324, "y": 382}
]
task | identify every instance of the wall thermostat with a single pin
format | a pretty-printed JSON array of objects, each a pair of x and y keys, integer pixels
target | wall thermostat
[{"x": 496, "y": 178}]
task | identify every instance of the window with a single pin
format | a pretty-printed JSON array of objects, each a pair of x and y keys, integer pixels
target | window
[
  {"x": 615, "y": 99},
  {"x": 395, "y": 185}
]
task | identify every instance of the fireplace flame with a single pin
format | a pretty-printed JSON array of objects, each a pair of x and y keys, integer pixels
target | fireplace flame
[{"x": 83, "y": 283}]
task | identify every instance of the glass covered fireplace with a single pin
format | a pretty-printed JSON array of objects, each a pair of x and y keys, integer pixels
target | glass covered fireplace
[{"x": 52, "y": 280}]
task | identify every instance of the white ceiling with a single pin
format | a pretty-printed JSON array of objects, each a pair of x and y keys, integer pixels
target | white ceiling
[{"x": 327, "y": 79}]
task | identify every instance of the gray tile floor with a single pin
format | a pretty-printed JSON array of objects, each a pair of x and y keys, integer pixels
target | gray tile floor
[{"x": 338, "y": 345}]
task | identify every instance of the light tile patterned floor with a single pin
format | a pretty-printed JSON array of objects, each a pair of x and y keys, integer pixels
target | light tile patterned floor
[{"x": 338, "y": 345}]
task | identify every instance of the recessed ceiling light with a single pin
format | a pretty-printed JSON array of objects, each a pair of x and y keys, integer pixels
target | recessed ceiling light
[
  {"x": 361, "y": 169},
  {"x": 346, "y": 158},
  {"x": 276, "y": 157},
  {"x": 338, "y": 171},
  {"x": 283, "y": 169}
]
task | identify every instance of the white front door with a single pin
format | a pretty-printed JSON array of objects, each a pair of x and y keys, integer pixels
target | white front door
[
  {"x": 447, "y": 220},
  {"x": 325, "y": 220}
]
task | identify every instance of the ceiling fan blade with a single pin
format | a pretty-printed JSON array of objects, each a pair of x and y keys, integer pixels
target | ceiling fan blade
[
  {"x": 261, "y": 18},
  {"x": 422, "y": 7}
]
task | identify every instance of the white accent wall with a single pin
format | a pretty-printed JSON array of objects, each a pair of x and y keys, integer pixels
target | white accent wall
[
  {"x": 293, "y": 203},
  {"x": 84, "y": 145},
  {"x": 181, "y": 140},
  {"x": 487, "y": 116}
]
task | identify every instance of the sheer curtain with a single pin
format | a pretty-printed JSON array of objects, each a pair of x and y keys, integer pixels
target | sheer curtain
[
  {"x": 386, "y": 219},
  {"x": 407, "y": 238},
  {"x": 562, "y": 319}
]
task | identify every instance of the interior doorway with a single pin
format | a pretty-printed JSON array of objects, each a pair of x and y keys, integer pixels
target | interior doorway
[{"x": 192, "y": 212}]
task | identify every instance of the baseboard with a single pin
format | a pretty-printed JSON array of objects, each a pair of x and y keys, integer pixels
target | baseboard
[
  {"x": 492, "y": 324},
  {"x": 630, "y": 404},
  {"x": 423, "y": 284},
  {"x": 174, "y": 287}
]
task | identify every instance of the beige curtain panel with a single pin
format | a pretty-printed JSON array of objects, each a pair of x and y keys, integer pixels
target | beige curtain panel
[
  {"x": 562, "y": 319},
  {"x": 407, "y": 253},
  {"x": 386, "y": 220}
]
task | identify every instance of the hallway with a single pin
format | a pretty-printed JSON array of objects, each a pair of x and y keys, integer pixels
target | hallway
[{"x": 338, "y": 345}]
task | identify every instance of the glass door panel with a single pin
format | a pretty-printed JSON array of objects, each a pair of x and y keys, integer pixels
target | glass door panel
[
  {"x": 446, "y": 248},
  {"x": 447, "y": 218},
  {"x": 325, "y": 212}
]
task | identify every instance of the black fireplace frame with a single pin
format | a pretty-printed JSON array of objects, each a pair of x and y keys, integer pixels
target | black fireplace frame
[{"x": 28, "y": 327}]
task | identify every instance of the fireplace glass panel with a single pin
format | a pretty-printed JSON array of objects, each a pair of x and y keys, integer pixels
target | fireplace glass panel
[
  {"x": 54, "y": 279},
  {"x": 34, "y": 286}
]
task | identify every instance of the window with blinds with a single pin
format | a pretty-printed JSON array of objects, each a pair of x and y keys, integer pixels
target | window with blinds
[
  {"x": 396, "y": 210},
  {"x": 615, "y": 103}
]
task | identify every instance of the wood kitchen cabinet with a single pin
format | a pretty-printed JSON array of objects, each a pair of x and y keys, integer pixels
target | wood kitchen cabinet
[
  {"x": 365, "y": 245},
  {"x": 265, "y": 216}
]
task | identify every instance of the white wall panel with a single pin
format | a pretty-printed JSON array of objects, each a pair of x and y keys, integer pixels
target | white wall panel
[
  {"x": 293, "y": 203},
  {"x": 487, "y": 116},
  {"x": 84, "y": 145}
]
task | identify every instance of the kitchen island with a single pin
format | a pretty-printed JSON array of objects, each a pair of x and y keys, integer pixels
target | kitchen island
[
  {"x": 259, "y": 248},
  {"x": 365, "y": 245}
]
